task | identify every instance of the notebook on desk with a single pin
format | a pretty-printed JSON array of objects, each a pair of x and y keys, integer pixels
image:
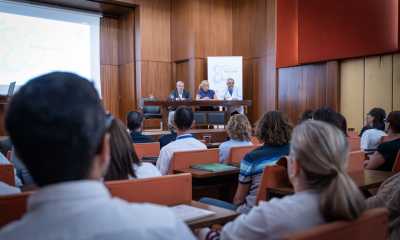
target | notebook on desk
[
  {"x": 188, "y": 213},
  {"x": 214, "y": 167}
]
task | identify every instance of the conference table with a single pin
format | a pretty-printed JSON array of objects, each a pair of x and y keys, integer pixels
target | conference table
[{"x": 171, "y": 104}]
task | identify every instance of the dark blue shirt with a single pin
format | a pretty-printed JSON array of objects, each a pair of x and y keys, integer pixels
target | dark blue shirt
[
  {"x": 210, "y": 93},
  {"x": 164, "y": 140},
  {"x": 138, "y": 137}
]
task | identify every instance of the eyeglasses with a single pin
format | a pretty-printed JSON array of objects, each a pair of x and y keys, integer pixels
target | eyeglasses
[{"x": 107, "y": 125}]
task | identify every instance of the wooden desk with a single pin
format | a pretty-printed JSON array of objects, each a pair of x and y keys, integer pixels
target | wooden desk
[
  {"x": 165, "y": 105},
  {"x": 365, "y": 180},
  {"x": 221, "y": 216},
  {"x": 214, "y": 135},
  {"x": 219, "y": 185}
]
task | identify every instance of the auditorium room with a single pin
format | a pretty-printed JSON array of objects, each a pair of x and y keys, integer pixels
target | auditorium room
[{"x": 199, "y": 119}]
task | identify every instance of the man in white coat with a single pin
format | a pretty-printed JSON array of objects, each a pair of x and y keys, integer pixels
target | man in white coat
[{"x": 233, "y": 93}]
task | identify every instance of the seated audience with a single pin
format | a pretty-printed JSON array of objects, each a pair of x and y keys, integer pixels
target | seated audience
[
  {"x": 167, "y": 138},
  {"x": 328, "y": 115},
  {"x": 274, "y": 131},
  {"x": 372, "y": 133},
  {"x": 183, "y": 119},
  {"x": 388, "y": 196},
  {"x": 6, "y": 189},
  {"x": 233, "y": 93},
  {"x": 135, "y": 125},
  {"x": 60, "y": 132},
  {"x": 385, "y": 155},
  {"x": 323, "y": 190},
  {"x": 205, "y": 93},
  {"x": 124, "y": 164},
  {"x": 375, "y": 120},
  {"x": 306, "y": 115},
  {"x": 239, "y": 132}
]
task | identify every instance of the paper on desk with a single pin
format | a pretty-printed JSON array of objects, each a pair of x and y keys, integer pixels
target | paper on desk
[{"x": 188, "y": 213}]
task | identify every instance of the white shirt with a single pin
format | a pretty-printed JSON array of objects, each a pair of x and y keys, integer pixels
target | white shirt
[
  {"x": 6, "y": 189},
  {"x": 184, "y": 142},
  {"x": 371, "y": 139},
  {"x": 146, "y": 170},
  {"x": 236, "y": 95},
  {"x": 274, "y": 219},
  {"x": 84, "y": 210},
  {"x": 225, "y": 148}
]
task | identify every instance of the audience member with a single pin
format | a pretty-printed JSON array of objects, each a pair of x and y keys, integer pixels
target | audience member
[
  {"x": 375, "y": 120},
  {"x": 135, "y": 125},
  {"x": 328, "y": 115},
  {"x": 185, "y": 141},
  {"x": 239, "y": 132},
  {"x": 372, "y": 133},
  {"x": 205, "y": 93},
  {"x": 167, "y": 138},
  {"x": 274, "y": 131},
  {"x": 385, "y": 155},
  {"x": 124, "y": 164},
  {"x": 388, "y": 196},
  {"x": 306, "y": 115},
  {"x": 323, "y": 190},
  {"x": 60, "y": 132}
]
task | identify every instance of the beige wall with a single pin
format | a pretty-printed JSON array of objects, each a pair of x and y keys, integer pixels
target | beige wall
[{"x": 366, "y": 83}]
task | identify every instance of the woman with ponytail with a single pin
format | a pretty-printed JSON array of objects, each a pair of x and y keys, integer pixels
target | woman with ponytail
[{"x": 323, "y": 190}]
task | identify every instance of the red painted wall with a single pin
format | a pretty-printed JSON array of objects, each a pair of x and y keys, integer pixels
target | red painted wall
[{"x": 336, "y": 29}]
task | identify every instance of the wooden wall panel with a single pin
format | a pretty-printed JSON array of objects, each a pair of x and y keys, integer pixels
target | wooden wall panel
[
  {"x": 378, "y": 82},
  {"x": 305, "y": 88},
  {"x": 127, "y": 90},
  {"x": 182, "y": 31},
  {"x": 108, "y": 41},
  {"x": 352, "y": 92},
  {"x": 126, "y": 39},
  {"x": 109, "y": 88},
  {"x": 396, "y": 81},
  {"x": 152, "y": 71}
]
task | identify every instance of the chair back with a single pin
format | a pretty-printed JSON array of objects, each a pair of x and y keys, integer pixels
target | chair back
[
  {"x": 356, "y": 161},
  {"x": 237, "y": 153},
  {"x": 354, "y": 143},
  {"x": 166, "y": 190},
  {"x": 7, "y": 174},
  {"x": 372, "y": 225},
  {"x": 272, "y": 176},
  {"x": 396, "y": 165},
  {"x": 183, "y": 160},
  {"x": 216, "y": 118},
  {"x": 147, "y": 149},
  {"x": 13, "y": 207}
]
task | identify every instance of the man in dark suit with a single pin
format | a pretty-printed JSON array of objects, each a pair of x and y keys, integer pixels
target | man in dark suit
[
  {"x": 179, "y": 93},
  {"x": 135, "y": 125}
]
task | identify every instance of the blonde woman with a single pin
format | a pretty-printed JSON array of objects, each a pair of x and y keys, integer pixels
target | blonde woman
[
  {"x": 205, "y": 93},
  {"x": 239, "y": 132},
  {"x": 323, "y": 190}
]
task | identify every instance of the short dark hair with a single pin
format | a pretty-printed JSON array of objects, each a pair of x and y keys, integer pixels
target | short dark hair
[
  {"x": 328, "y": 115},
  {"x": 274, "y": 129},
  {"x": 394, "y": 121},
  {"x": 123, "y": 154},
  {"x": 57, "y": 123},
  {"x": 306, "y": 115},
  {"x": 183, "y": 118},
  {"x": 134, "y": 120}
]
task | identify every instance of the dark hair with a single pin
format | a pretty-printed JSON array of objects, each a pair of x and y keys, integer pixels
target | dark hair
[
  {"x": 183, "y": 118},
  {"x": 273, "y": 129},
  {"x": 328, "y": 115},
  {"x": 394, "y": 121},
  {"x": 123, "y": 154},
  {"x": 57, "y": 124},
  {"x": 379, "y": 116},
  {"x": 134, "y": 120},
  {"x": 343, "y": 123},
  {"x": 306, "y": 115}
]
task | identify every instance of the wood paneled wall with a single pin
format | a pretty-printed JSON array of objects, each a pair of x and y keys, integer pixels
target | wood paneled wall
[
  {"x": 366, "y": 83},
  {"x": 118, "y": 64},
  {"x": 308, "y": 87}
]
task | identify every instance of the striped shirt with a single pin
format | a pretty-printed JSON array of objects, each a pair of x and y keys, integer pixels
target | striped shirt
[{"x": 251, "y": 169}]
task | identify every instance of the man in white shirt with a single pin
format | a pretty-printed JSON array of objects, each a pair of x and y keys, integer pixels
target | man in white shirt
[
  {"x": 60, "y": 132},
  {"x": 183, "y": 120},
  {"x": 233, "y": 93}
]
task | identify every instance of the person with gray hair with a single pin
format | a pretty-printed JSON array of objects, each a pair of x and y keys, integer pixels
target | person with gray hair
[{"x": 324, "y": 192}]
